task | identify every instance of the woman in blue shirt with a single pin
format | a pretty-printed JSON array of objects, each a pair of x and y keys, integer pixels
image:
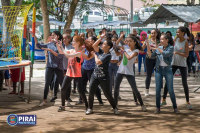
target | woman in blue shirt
[{"x": 163, "y": 68}]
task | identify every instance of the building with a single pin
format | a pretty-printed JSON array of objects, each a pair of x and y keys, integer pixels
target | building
[
  {"x": 180, "y": 1},
  {"x": 136, "y": 3}
]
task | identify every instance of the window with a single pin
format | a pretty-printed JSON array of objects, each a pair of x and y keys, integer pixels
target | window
[
  {"x": 97, "y": 13},
  {"x": 91, "y": 13}
]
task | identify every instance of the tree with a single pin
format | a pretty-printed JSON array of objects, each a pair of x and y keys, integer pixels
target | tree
[
  {"x": 45, "y": 15},
  {"x": 190, "y": 2},
  {"x": 71, "y": 13},
  {"x": 149, "y": 3}
]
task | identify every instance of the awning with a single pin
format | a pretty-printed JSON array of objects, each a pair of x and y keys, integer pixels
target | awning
[
  {"x": 53, "y": 22},
  {"x": 183, "y": 13}
]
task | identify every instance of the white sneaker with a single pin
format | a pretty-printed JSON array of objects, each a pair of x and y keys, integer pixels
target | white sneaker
[
  {"x": 116, "y": 112},
  {"x": 68, "y": 104},
  {"x": 42, "y": 104},
  {"x": 144, "y": 108},
  {"x": 89, "y": 111},
  {"x": 146, "y": 92}
]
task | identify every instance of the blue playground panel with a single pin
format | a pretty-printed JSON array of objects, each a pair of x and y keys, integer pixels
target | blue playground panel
[{"x": 6, "y": 63}]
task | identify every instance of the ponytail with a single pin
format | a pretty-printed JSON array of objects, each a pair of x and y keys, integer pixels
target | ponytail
[{"x": 185, "y": 30}]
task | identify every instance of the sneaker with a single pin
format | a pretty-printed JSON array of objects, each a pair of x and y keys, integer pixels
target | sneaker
[
  {"x": 73, "y": 91},
  {"x": 79, "y": 102},
  {"x": 119, "y": 98},
  {"x": 147, "y": 92},
  {"x": 113, "y": 109},
  {"x": 42, "y": 104},
  {"x": 163, "y": 103},
  {"x": 136, "y": 104},
  {"x": 89, "y": 111},
  {"x": 101, "y": 104},
  {"x": 157, "y": 111},
  {"x": 116, "y": 112},
  {"x": 53, "y": 99},
  {"x": 189, "y": 106},
  {"x": 61, "y": 108},
  {"x": 68, "y": 104},
  {"x": 176, "y": 111},
  {"x": 69, "y": 99},
  {"x": 144, "y": 108}
]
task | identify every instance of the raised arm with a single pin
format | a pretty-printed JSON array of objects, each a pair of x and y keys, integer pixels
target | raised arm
[
  {"x": 121, "y": 37},
  {"x": 96, "y": 44},
  {"x": 36, "y": 41}
]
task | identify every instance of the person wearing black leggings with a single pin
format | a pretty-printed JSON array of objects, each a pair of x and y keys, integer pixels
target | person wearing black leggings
[
  {"x": 126, "y": 69},
  {"x": 54, "y": 63},
  {"x": 181, "y": 51},
  {"x": 87, "y": 70},
  {"x": 100, "y": 75},
  {"x": 75, "y": 59},
  {"x": 150, "y": 62}
]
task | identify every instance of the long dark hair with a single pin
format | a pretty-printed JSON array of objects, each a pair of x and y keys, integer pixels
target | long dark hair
[
  {"x": 137, "y": 45},
  {"x": 109, "y": 36},
  {"x": 88, "y": 33},
  {"x": 158, "y": 34},
  {"x": 192, "y": 38},
  {"x": 185, "y": 30},
  {"x": 58, "y": 34},
  {"x": 170, "y": 40}
]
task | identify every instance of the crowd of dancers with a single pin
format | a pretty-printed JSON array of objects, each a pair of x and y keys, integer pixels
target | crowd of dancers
[{"x": 104, "y": 61}]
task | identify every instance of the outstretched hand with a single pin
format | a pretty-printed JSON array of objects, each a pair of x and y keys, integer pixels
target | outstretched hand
[{"x": 123, "y": 34}]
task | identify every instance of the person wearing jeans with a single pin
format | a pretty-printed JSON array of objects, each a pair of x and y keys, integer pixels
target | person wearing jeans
[
  {"x": 181, "y": 52},
  {"x": 142, "y": 54},
  {"x": 163, "y": 67}
]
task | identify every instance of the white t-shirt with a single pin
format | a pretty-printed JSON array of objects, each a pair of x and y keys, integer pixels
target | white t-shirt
[
  {"x": 128, "y": 68},
  {"x": 162, "y": 63},
  {"x": 113, "y": 54}
]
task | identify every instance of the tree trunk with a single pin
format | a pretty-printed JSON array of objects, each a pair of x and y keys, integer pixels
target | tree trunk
[
  {"x": 192, "y": 2},
  {"x": 188, "y": 2},
  {"x": 45, "y": 15},
  {"x": 71, "y": 13}
]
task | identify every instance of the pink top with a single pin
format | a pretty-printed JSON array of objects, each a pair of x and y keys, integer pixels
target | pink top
[{"x": 74, "y": 66}]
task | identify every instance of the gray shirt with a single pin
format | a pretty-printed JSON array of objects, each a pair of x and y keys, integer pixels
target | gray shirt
[
  {"x": 177, "y": 59},
  {"x": 65, "y": 59}
]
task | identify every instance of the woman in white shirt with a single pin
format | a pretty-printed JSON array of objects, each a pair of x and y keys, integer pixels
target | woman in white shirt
[{"x": 126, "y": 69}]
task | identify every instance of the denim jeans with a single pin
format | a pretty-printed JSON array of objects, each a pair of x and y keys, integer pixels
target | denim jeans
[
  {"x": 112, "y": 71},
  {"x": 140, "y": 57},
  {"x": 167, "y": 73}
]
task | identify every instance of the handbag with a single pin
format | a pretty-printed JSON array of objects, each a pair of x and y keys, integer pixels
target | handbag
[{"x": 197, "y": 47}]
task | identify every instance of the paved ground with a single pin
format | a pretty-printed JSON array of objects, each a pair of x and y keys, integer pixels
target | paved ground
[{"x": 131, "y": 119}]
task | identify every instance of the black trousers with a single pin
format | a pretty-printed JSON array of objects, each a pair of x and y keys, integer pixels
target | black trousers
[
  {"x": 65, "y": 87},
  {"x": 184, "y": 81},
  {"x": 105, "y": 86},
  {"x": 86, "y": 75},
  {"x": 48, "y": 78},
  {"x": 131, "y": 80},
  {"x": 149, "y": 64}
]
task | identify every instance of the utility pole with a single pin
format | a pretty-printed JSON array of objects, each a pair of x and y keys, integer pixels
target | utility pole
[{"x": 131, "y": 10}]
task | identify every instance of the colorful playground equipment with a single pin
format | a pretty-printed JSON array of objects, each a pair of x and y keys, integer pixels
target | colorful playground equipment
[{"x": 12, "y": 27}]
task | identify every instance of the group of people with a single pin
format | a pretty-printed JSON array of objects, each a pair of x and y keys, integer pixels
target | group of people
[{"x": 105, "y": 60}]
